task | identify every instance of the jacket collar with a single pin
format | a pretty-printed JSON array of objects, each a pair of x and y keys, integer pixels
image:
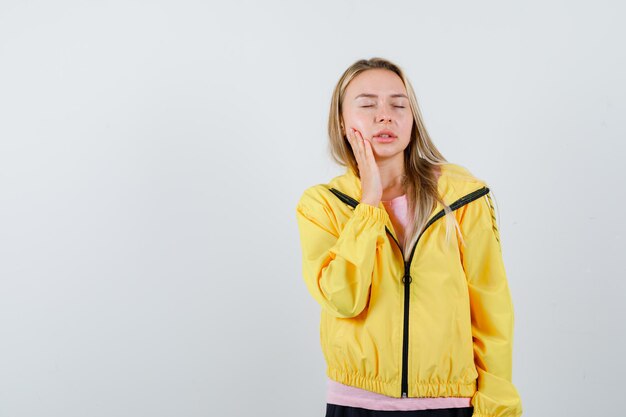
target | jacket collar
[{"x": 454, "y": 183}]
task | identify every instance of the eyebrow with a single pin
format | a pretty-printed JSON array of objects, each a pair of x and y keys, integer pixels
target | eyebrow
[{"x": 375, "y": 96}]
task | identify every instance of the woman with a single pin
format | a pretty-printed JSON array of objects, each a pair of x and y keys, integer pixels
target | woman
[{"x": 402, "y": 253}]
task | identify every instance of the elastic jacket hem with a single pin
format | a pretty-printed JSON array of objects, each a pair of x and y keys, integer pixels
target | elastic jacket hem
[{"x": 391, "y": 389}]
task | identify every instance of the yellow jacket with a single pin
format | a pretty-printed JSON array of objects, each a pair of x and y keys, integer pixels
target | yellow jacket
[{"x": 440, "y": 324}]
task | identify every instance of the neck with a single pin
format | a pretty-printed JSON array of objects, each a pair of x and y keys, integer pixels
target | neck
[{"x": 391, "y": 172}]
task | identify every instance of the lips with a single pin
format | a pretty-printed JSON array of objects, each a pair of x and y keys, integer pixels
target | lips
[{"x": 381, "y": 133}]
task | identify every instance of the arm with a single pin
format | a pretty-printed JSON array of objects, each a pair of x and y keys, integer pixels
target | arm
[
  {"x": 337, "y": 266},
  {"x": 491, "y": 311}
]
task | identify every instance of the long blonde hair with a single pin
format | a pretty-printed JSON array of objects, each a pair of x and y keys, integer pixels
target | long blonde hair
[{"x": 421, "y": 156}]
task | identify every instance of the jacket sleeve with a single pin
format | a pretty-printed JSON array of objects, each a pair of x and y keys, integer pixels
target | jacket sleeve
[
  {"x": 337, "y": 265},
  {"x": 492, "y": 313}
]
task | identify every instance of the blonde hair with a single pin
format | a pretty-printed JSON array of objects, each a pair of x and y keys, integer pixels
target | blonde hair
[{"x": 421, "y": 156}]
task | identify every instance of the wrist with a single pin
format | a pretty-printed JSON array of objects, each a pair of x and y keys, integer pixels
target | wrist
[{"x": 371, "y": 201}]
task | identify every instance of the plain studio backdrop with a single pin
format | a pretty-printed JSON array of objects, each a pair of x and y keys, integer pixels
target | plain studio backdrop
[{"x": 152, "y": 154}]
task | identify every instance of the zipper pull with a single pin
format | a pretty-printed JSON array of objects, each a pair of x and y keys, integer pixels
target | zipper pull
[{"x": 407, "y": 273}]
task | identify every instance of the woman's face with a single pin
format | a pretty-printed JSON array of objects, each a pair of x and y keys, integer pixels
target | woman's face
[{"x": 376, "y": 100}]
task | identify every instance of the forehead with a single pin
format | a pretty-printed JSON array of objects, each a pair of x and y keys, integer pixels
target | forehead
[{"x": 380, "y": 82}]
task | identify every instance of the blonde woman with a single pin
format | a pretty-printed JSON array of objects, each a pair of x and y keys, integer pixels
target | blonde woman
[{"x": 402, "y": 253}]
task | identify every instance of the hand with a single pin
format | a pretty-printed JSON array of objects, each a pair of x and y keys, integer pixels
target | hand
[{"x": 371, "y": 184}]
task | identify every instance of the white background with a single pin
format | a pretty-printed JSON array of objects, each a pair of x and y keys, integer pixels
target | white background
[{"x": 152, "y": 153}]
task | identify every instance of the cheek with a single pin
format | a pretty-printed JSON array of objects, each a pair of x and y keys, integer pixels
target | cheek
[
  {"x": 356, "y": 120},
  {"x": 350, "y": 115},
  {"x": 407, "y": 125},
  {"x": 359, "y": 115},
  {"x": 406, "y": 132}
]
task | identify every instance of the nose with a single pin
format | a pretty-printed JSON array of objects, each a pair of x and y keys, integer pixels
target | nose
[{"x": 383, "y": 116}]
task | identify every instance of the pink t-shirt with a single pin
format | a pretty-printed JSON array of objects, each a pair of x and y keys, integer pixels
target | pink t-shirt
[{"x": 341, "y": 394}]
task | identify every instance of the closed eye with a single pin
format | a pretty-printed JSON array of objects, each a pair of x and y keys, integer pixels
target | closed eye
[{"x": 400, "y": 107}]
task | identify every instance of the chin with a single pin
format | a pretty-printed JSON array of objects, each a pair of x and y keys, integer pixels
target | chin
[
  {"x": 394, "y": 146},
  {"x": 387, "y": 153}
]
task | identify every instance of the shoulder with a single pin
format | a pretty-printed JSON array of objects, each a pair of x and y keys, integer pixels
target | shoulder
[
  {"x": 461, "y": 177},
  {"x": 320, "y": 195},
  {"x": 318, "y": 207},
  {"x": 479, "y": 213},
  {"x": 314, "y": 194},
  {"x": 316, "y": 201}
]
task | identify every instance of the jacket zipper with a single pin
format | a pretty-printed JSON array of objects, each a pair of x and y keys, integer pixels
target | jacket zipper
[{"x": 406, "y": 277}]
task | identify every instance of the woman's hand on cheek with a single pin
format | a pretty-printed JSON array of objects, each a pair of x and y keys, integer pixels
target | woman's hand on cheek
[{"x": 371, "y": 184}]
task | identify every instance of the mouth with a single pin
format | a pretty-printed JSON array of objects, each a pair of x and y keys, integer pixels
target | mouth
[{"x": 385, "y": 136}]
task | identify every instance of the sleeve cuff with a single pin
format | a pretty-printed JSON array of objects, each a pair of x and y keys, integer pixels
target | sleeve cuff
[{"x": 368, "y": 211}]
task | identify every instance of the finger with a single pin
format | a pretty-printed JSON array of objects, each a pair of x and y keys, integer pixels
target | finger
[
  {"x": 360, "y": 141},
  {"x": 352, "y": 141},
  {"x": 369, "y": 152},
  {"x": 349, "y": 138},
  {"x": 357, "y": 145}
]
